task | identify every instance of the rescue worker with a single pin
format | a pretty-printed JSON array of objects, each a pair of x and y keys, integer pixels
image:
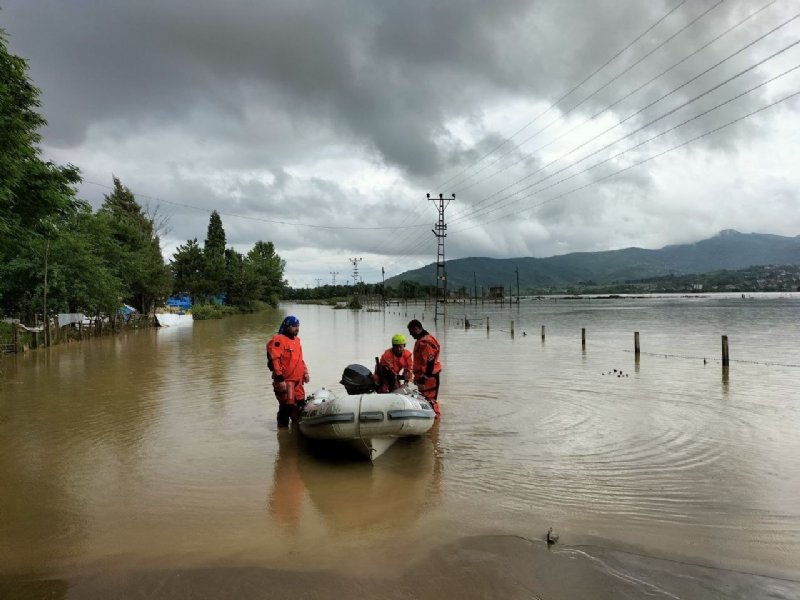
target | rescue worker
[
  {"x": 289, "y": 371},
  {"x": 426, "y": 365},
  {"x": 394, "y": 365}
]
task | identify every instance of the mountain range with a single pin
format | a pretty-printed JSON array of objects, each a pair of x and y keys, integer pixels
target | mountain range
[{"x": 729, "y": 249}]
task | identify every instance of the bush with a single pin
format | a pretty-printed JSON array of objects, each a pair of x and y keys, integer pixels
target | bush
[{"x": 213, "y": 311}]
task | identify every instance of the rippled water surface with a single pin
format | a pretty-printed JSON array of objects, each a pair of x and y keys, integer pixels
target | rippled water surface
[{"x": 158, "y": 449}]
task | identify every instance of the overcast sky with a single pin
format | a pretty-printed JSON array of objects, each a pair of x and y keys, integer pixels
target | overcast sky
[{"x": 560, "y": 125}]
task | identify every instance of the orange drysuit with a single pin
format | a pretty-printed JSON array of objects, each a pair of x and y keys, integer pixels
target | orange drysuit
[
  {"x": 427, "y": 367},
  {"x": 287, "y": 365},
  {"x": 390, "y": 367}
]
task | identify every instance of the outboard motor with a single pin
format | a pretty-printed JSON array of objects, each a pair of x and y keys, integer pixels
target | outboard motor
[{"x": 357, "y": 379}]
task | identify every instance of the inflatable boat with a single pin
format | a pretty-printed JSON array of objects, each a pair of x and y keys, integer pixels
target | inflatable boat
[{"x": 367, "y": 421}]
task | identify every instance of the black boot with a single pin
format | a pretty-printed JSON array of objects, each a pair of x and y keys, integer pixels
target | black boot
[{"x": 284, "y": 413}]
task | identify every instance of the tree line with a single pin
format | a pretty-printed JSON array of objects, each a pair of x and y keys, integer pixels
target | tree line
[
  {"x": 404, "y": 289},
  {"x": 219, "y": 274},
  {"x": 58, "y": 255}
]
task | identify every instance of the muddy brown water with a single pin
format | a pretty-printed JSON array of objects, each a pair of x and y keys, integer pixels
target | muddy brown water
[{"x": 149, "y": 464}]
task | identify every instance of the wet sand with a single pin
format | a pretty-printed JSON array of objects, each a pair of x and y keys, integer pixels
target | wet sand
[{"x": 476, "y": 567}]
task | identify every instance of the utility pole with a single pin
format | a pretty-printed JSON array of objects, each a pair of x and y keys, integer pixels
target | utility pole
[
  {"x": 44, "y": 303},
  {"x": 334, "y": 273},
  {"x": 441, "y": 276},
  {"x": 383, "y": 289},
  {"x": 319, "y": 282},
  {"x": 516, "y": 270},
  {"x": 355, "y": 262},
  {"x": 475, "y": 287}
]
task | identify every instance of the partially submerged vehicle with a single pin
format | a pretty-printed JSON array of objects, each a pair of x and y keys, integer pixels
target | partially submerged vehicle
[{"x": 367, "y": 421}]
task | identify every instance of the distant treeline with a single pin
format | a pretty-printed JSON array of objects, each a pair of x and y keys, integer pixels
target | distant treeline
[
  {"x": 405, "y": 289},
  {"x": 769, "y": 278},
  {"x": 58, "y": 255},
  {"x": 766, "y": 278}
]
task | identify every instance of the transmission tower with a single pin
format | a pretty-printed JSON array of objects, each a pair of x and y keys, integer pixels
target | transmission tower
[
  {"x": 439, "y": 231},
  {"x": 355, "y": 262},
  {"x": 334, "y": 273}
]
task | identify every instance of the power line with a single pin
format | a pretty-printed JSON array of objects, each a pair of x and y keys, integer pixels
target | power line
[
  {"x": 475, "y": 210},
  {"x": 260, "y": 219},
  {"x": 586, "y": 98},
  {"x": 414, "y": 243},
  {"x": 554, "y": 104},
  {"x": 658, "y": 155},
  {"x": 616, "y": 102}
]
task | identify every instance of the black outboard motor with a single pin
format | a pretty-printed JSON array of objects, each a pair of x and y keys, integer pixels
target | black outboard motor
[{"x": 357, "y": 379}]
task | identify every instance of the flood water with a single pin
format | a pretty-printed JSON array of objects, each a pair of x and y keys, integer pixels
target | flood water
[{"x": 149, "y": 464}]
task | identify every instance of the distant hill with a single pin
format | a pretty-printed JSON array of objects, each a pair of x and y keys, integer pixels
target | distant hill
[{"x": 729, "y": 249}]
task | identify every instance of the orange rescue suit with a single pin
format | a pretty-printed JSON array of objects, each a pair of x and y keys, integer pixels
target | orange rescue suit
[
  {"x": 395, "y": 365},
  {"x": 426, "y": 365},
  {"x": 286, "y": 357}
]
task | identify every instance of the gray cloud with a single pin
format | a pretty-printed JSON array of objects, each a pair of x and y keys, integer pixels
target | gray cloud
[{"x": 344, "y": 114}]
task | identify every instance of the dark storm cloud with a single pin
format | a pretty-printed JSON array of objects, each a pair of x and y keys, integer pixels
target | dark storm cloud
[
  {"x": 347, "y": 112},
  {"x": 389, "y": 73}
]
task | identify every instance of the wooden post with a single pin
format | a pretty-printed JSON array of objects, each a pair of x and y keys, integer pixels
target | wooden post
[
  {"x": 636, "y": 345},
  {"x": 16, "y": 338},
  {"x": 583, "y": 337},
  {"x": 542, "y": 332},
  {"x": 725, "y": 357},
  {"x": 512, "y": 328},
  {"x": 466, "y": 323},
  {"x": 487, "y": 325}
]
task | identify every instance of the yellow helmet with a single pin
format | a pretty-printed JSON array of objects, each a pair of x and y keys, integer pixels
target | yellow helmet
[{"x": 398, "y": 338}]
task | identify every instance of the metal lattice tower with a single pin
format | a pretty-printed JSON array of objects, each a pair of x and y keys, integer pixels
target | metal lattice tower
[
  {"x": 439, "y": 231},
  {"x": 355, "y": 262},
  {"x": 334, "y": 273}
]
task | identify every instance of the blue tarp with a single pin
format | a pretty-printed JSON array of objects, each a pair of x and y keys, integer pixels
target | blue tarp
[
  {"x": 126, "y": 309},
  {"x": 182, "y": 302}
]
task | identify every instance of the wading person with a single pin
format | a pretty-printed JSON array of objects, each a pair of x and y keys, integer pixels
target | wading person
[
  {"x": 426, "y": 363},
  {"x": 394, "y": 366},
  {"x": 289, "y": 371}
]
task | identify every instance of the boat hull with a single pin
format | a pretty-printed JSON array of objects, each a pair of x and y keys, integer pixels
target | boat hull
[{"x": 370, "y": 423}]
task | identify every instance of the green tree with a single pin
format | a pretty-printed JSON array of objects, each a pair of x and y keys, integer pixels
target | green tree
[
  {"x": 214, "y": 255},
  {"x": 134, "y": 249},
  {"x": 187, "y": 267},
  {"x": 269, "y": 269},
  {"x": 34, "y": 194},
  {"x": 242, "y": 283},
  {"x": 80, "y": 279}
]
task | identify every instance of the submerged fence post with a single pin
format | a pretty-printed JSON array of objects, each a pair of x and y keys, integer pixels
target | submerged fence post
[
  {"x": 542, "y": 332},
  {"x": 725, "y": 357},
  {"x": 636, "y": 345},
  {"x": 512, "y": 328},
  {"x": 583, "y": 338},
  {"x": 487, "y": 325}
]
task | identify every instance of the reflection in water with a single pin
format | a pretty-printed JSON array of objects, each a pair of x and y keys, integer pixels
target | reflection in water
[
  {"x": 354, "y": 496},
  {"x": 160, "y": 449},
  {"x": 286, "y": 497}
]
